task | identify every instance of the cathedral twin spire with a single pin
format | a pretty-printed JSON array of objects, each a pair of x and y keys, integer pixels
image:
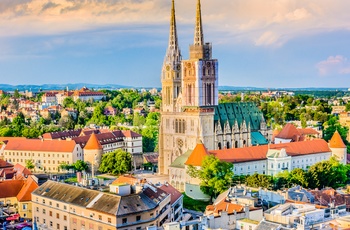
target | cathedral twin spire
[
  {"x": 198, "y": 33},
  {"x": 173, "y": 54}
]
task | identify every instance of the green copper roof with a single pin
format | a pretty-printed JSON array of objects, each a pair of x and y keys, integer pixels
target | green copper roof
[
  {"x": 258, "y": 139},
  {"x": 180, "y": 161},
  {"x": 239, "y": 111}
]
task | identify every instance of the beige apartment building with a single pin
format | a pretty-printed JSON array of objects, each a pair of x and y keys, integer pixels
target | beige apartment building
[
  {"x": 47, "y": 155},
  {"x": 62, "y": 206}
]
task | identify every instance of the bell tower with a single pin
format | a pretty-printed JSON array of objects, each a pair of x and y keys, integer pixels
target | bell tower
[
  {"x": 171, "y": 71},
  {"x": 200, "y": 72}
]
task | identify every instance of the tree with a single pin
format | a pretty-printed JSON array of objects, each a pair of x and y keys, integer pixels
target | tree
[
  {"x": 29, "y": 164},
  {"x": 116, "y": 162},
  {"x": 327, "y": 174},
  {"x": 333, "y": 125},
  {"x": 259, "y": 180},
  {"x": 66, "y": 122},
  {"x": 299, "y": 177},
  {"x": 215, "y": 175},
  {"x": 80, "y": 166}
]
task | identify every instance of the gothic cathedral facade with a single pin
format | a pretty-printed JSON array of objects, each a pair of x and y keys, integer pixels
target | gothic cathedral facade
[
  {"x": 190, "y": 112},
  {"x": 190, "y": 94}
]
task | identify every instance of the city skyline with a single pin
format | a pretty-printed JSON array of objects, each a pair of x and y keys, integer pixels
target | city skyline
[{"x": 258, "y": 44}]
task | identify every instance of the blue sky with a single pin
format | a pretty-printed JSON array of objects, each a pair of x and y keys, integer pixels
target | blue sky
[{"x": 270, "y": 43}]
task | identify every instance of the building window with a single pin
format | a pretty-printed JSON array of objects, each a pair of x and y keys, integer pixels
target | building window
[
  {"x": 124, "y": 220},
  {"x": 37, "y": 209},
  {"x": 58, "y": 226},
  {"x": 44, "y": 211},
  {"x": 43, "y": 201},
  {"x": 99, "y": 217},
  {"x": 50, "y": 213},
  {"x": 138, "y": 218},
  {"x": 57, "y": 215},
  {"x": 50, "y": 223},
  {"x": 24, "y": 206},
  {"x": 64, "y": 217},
  {"x": 109, "y": 220}
]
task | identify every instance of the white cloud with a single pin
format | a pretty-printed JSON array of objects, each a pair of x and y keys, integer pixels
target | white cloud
[
  {"x": 262, "y": 23},
  {"x": 334, "y": 65},
  {"x": 267, "y": 38}
]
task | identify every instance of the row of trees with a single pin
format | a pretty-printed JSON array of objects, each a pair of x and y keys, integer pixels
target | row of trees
[{"x": 217, "y": 176}]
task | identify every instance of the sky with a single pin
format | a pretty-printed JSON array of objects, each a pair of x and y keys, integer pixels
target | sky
[{"x": 259, "y": 43}]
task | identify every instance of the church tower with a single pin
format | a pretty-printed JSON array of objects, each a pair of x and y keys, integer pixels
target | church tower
[
  {"x": 171, "y": 71},
  {"x": 189, "y": 96}
]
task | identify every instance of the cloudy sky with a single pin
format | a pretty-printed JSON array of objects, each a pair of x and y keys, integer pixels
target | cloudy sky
[{"x": 261, "y": 43}]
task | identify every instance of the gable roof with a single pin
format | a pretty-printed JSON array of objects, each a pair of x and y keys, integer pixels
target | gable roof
[
  {"x": 197, "y": 155},
  {"x": 246, "y": 154},
  {"x": 289, "y": 131},
  {"x": 174, "y": 193},
  {"x": 223, "y": 205},
  {"x": 41, "y": 145},
  {"x": 25, "y": 194},
  {"x": 10, "y": 188},
  {"x": 93, "y": 143},
  {"x": 5, "y": 164},
  {"x": 336, "y": 141},
  {"x": 255, "y": 153}
]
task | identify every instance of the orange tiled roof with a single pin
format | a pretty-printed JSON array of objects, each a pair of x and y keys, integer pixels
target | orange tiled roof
[
  {"x": 197, "y": 155},
  {"x": 126, "y": 179},
  {"x": 225, "y": 206},
  {"x": 10, "y": 188},
  {"x": 336, "y": 141},
  {"x": 289, "y": 131},
  {"x": 40, "y": 145},
  {"x": 93, "y": 143},
  {"x": 129, "y": 133},
  {"x": 21, "y": 170},
  {"x": 308, "y": 131},
  {"x": 25, "y": 194},
  {"x": 255, "y": 153},
  {"x": 246, "y": 154}
]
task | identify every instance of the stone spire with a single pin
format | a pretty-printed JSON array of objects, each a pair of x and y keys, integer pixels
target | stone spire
[
  {"x": 198, "y": 33},
  {"x": 173, "y": 54}
]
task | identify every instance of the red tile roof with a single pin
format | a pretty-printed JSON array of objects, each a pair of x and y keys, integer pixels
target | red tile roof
[
  {"x": 41, "y": 145},
  {"x": 21, "y": 170},
  {"x": 255, "y": 153},
  {"x": 10, "y": 188},
  {"x": 308, "y": 131},
  {"x": 93, "y": 143},
  {"x": 197, "y": 156},
  {"x": 289, "y": 131},
  {"x": 175, "y": 194},
  {"x": 26, "y": 192},
  {"x": 336, "y": 141},
  {"x": 127, "y": 179},
  {"x": 246, "y": 154},
  {"x": 129, "y": 133},
  {"x": 225, "y": 206},
  {"x": 5, "y": 164}
]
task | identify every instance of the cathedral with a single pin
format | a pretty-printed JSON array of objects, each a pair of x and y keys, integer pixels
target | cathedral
[{"x": 190, "y": 112}]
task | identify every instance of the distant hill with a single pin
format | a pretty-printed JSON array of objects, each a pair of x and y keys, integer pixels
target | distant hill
[{"x": 45, "y": 87}]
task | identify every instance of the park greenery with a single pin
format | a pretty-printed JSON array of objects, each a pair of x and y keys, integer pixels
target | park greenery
[
  {"x": 215, "y": 175},
  {"x": 117, "y": 162},
  {"x": 323, "y": 174},
  {"x": 78, "y": 166}
]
